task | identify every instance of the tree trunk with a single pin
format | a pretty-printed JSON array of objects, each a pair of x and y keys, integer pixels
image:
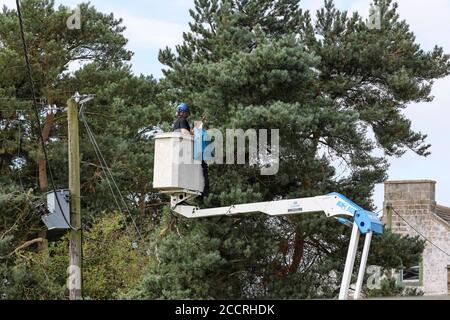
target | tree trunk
[
  {"x": 299, "y": 245},
  {"x": 42, "y": 164},
  {"x": 43, "y": 181},
  {"x": 42, "y": 246},
  {"x": 299, "y": 240}
]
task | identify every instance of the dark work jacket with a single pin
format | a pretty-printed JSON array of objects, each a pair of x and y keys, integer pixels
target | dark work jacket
[{"x": 181, "y": 123}]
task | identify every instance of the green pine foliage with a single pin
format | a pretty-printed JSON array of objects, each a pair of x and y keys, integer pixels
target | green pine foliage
[
  {"x": 327, "y": 85},
  {"x": 111, "y": 265},
  {"x": 24, "y": 273},
  {"x": 120, "y": 116},
  {"x": 335, "y": 89},
  {"x": 390, "y": 288}
]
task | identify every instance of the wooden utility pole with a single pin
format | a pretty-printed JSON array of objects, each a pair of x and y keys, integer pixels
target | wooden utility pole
[{"x": 75, "y": 250}]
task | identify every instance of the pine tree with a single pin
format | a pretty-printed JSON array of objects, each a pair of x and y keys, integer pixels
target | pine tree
[
  {"x": 124, "y": 109},
  {"x": 327, "y": 85}
]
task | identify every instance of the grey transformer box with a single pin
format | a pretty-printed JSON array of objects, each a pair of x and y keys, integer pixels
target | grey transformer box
[{"x": 54, "y": 220}]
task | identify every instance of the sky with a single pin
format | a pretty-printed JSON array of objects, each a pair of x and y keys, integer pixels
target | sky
[{"x": 154, "y": 24}]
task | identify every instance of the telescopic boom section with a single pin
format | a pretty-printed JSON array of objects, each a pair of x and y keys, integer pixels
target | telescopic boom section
[{"x": 333, "y": 205}]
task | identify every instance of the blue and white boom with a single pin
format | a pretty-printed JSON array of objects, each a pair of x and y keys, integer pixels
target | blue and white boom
[{"x": 333, "y": 205}]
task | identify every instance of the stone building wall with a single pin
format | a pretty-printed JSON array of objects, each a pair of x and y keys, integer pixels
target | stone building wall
[{"x": 415, "y": 202}]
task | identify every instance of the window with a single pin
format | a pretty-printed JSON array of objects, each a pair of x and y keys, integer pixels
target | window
[{"x": 410, "y": 274}]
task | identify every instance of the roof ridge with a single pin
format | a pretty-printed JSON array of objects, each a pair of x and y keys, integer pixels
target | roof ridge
[
  {"x": 440, "y": 206},
  {"x": 443, "y": 217}
]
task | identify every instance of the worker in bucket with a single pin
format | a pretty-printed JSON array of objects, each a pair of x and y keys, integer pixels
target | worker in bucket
[{"x": 181, "y": 124}]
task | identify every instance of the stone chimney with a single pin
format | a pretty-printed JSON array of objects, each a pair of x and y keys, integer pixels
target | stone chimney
[{"x": 414, "y": 200}]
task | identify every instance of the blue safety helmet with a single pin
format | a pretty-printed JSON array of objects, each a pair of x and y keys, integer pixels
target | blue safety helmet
[{"x": 183, "y": 107}]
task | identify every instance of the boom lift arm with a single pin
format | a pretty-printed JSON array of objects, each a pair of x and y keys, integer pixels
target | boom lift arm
[{"x": 333, "y": 205}]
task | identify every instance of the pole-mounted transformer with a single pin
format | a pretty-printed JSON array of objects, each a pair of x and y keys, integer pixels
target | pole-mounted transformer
[{"x": 56, "y": 217}]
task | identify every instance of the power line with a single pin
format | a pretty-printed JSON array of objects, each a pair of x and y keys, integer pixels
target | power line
[
  {"x": 110, "y": 178},
  {"x": 36, "y": 110},
  {"x": 421, "y": 234},
  {"x": 92, "y": 138},
  {"x": 42, "y": 99},
  {"x": 14, "y": 98}
]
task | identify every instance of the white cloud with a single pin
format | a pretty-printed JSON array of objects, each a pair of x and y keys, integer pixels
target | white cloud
[
  {"x": 430, "y": 22},
  {"x": 143, "y": 33},
  {"x": 9, "y": 3},
  {"x": 150, "y": 33}
]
